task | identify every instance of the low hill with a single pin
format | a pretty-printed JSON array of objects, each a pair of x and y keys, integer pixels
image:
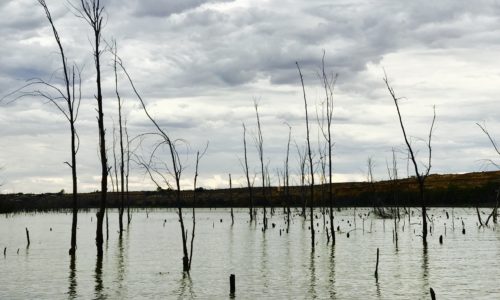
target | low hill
[{"x": 470, "y": 189}]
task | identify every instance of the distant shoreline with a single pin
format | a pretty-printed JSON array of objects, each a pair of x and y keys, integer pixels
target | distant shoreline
[{"x": 452, "y": 190}]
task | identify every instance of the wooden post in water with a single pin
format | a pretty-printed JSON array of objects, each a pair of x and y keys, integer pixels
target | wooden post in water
[
  {"x": 28, "y": 237},
  {"x": 4, "y": 251},
  {"x": 433, "y": 295},
  {"x": 376, "y": 266},
  {"x": 232, "y": 284},
  {"x": 441, "y": 239}
]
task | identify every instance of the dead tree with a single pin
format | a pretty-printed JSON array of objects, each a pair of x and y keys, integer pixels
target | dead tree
[
  {"x": 421, "y": 177},
  {"x": 231, "y": 198},
  {"x": 198, "y": 158},
  {"x": 286, "y": 178},
  {"x": 393, "y": 178},
  {"x": 71, "y": 96},
  {"x": 175, "y": 169},
  {"x": 328, "y": 83},
  {"x": 127, "y": 174},
  {"x": 302, "y": 170},
  {"x": 494, "y": 212},
  {"x": 92, "y": 12},
  {"x": 247, "y": 175},
  {"x": 311, "y": 166},
  {"x": 259, "y": 143},
  {"x": 122, "y": 149},
  {"x": 322, "y": 165},
  {"x": 370, "y": 164}
]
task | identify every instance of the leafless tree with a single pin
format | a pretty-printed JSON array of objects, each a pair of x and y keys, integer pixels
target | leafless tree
[
  {"x": 286, "y": 177},
  {"x": 121, "y": 189},
  {"x": 421, "y": 177},
  {"x": 259, "y": 143},
  {"x": 311, "y": 166},
  {"x": 328, "y": 83},
  {"x": 92, "y": 12},
  {"x": 370, "y": 164},
  {"x": 67, "y": 101},
  {"x": 231, "y": 198},
  {"x": 494, "y": 212},
  {"x": 302, "y": 170},
  {"x": 175, "y": 169},
  {"x": 393, "y": 177},
  {"x": 127, "y": 173},
  {"x": 322, "y": 164},
  {"x": 198, "y": 158},
  {"x": 392, "y": 172},
  {"x": 247, "y": 175}
]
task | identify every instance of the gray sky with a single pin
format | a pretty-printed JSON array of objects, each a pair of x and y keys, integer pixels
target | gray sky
[{"x": 200, "y": 65}]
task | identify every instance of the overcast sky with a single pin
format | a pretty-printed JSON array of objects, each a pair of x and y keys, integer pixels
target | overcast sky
[{"x": 200, "y": 65}]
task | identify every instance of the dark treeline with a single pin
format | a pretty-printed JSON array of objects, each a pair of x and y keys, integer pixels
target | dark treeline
[{"x": 466, "y": 190}]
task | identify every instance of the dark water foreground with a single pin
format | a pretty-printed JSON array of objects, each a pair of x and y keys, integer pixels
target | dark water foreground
[{"x": 147, "y": 262}]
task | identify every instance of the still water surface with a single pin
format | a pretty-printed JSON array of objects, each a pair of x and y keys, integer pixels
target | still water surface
[{"x": 147, "y": 262}]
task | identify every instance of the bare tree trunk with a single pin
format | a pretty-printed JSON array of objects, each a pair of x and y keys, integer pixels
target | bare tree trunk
[
  {"x": 494, "y": 212},
  {"x": 73, "y": 104},
  {"x": 231, "y": 198},
  {"x": 260, "y": 150},
  {"x": 328, "y": 83},
  {"x": 311, "y": 189},
  {"x": 194, "y": 211},
  {"x": 122, "y": 155},
  {"x": 91, "y": 11},
  {"x": 302, "y": 165},
  {"x": 250, "y": 190},
  {"x": 420, "y": 177},
  {"x": 176, "y": 169},
  {"x": 129, "y": 215},
  {"x": 287, "y": 177}
]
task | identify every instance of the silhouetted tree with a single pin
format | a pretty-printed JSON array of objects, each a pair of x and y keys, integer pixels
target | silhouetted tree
[
  {"x": 247, "y": 175},
  {"x": 259, "y": 143},
  {"x": 311, "y": 187},
  {"x": 175, "y": 170},
  {"x": 121, "y": 188},
  {"x": 127, "y": 173},
  {"x": 421, "y": 177},
  {"x": 92, "y": 12},
  {"x": 302, "y": 170},
  {"x": 286, "y": 177},
  {"x": 198, "y": 158},
  {"x": 231, "y": 198},
  {"x": 494, "y": 212},
  {"x": 70, "y": 97},
  {"x": 328, "y": 82}
]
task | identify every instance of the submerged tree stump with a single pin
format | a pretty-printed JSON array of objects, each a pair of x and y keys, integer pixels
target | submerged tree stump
[
  {"x": 433, "y": 295},
  {"x": 232, "y": 284},
  {"x": 28, "y": 237}
]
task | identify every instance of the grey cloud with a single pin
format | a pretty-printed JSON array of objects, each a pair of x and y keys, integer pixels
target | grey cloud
[{"x": 165, "y": 8}]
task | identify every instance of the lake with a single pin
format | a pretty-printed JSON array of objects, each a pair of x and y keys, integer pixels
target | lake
[{"x": 147, "y": 261}]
